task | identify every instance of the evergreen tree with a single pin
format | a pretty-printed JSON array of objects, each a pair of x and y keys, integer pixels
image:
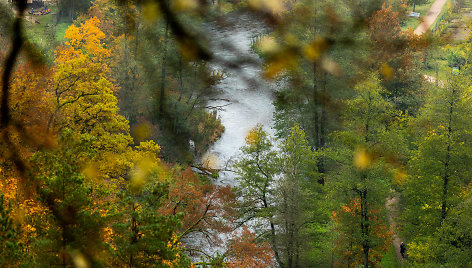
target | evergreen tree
[
  {"x": 442, "y": 162},
  {"x": 75, "y": 225},
  {"x": 145, "y": 237}
]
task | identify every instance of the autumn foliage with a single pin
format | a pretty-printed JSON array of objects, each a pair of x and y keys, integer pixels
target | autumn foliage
[
  {"x": 246, "y": 252},
  {"x": 348, "y": 245}
]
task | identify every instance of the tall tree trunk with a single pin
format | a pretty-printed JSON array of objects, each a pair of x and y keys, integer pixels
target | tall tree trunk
[
  {"x": 316, "y": 119},
  {"x": 365, "y": 226},
  {"x": 322, "y": 108},
  {"x": 323, "y": 120},
  {"x": 134, "y": 236},
  {"x": 448, "y": 157},
  {"x": 163, "y": 73},
  {"x": 136, "y": 45},
  {"x": 272, "y": 234}
]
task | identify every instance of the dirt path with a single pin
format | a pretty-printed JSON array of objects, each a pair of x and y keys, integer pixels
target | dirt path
[
  {"x": 392, "y": 213},
  {"x": 430, "y": 17},
  {"x": 432, "y": 79}
]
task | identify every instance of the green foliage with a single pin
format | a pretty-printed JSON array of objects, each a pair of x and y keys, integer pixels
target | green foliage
[
  {"x": 389, "y": 260},
  {"x": 316, "y": 194},
  {"x": 143, "y": 236},
  {"x": 361, "y": 179},
  {"x": 11, "y": 250},
  {"x": 256, "y": 175},
  {"x": 281, "y": 187},
  {"x": 75, "y": 225},
  {"x": 455, "y": 240},
  {"x": 441, "y": 161},
  {"x": 414, "y": 3},
  {"x": 69, "y": 9}
]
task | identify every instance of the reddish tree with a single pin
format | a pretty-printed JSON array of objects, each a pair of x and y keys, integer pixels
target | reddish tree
[
  {"x": 394, "y": 53},
  {"x": 246, "y": 252},
  {"x": 207, "y": 209},
  {"x": 348, "y": 245}
]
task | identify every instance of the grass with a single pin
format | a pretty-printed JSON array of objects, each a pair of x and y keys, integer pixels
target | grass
[
  {"x": 46, "y": 35},
  {"x": 61, "y": 28},
  {"x": 389, "y": 260},
  {"x": 442, "y": 69},
  {"x": 447, "y": 6},
  {"x": 411, "y": 22},
  {"x": 46, "y": 29}
]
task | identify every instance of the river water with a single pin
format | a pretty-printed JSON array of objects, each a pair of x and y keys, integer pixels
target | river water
[{"x": 246, "y": 97}]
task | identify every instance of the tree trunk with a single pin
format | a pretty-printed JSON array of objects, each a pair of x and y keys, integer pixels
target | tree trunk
[
  {"x": 365, "y": 226},
  {"x": 323, "y": 120},
  {"x": 163, "y": 73},
  {"x": 315, "y": 108},
  {"x": 134, "y": 236},
  {"x": 272, "y": 235},
  {"x": 448, "y": 157}
]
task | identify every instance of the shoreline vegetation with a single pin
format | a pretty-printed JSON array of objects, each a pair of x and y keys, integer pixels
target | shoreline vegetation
[{"x": 105, "y": 107}]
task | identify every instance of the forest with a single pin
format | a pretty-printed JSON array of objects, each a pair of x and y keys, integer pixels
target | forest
[{"x": 236, "y": 133}]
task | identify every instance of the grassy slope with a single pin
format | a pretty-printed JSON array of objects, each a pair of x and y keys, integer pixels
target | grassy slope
[{"x": 46, "y": 34}]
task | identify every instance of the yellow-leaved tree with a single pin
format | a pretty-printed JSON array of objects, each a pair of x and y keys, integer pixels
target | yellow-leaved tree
[{"x": 85, "y": 100}]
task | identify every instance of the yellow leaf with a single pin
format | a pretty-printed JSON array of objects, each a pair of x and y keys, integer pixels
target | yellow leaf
[
  {"x": 315, "y": 49},
  {"x": 186, "y": 5},
  {"x": 141, "y": 174},
  {"x": 362, "y": 159},
  {"x": 270, "y": 6},
  {"x": 267, "y": 44},
  {"x": 399, "y": 177},
  {"x": 281, "y": 62},
  {"x": 79, "y": 260},
  {"x": 142, "y": 132},
  {"x": 91, "y": 172},
  {"x": 386, "y": 71},
  {"x": 330, "y": 66},
  {"x": 151, "y": 11}
]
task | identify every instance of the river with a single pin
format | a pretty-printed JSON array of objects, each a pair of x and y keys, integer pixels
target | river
[{"x": 246, "y": 97}]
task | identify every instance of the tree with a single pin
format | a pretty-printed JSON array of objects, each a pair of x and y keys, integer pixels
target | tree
[
  {"x": 84, "y": 98},
  {"x": 144, "y": 236},
  {"x": 29, "y": 218},
  {"x": 395, "y": 53},
  {"x": 280, "y": 193},
  {"x": 300, "y": 206},
  {"x": 348, "y": 243},
  {"x": 417, "y": 2},
  {"x": 440, "y": 161},
  {"x": 246, "y": 251},
  {"x": 257, "y": 172},
  {"x": 455, "y": 241},
  {"x": 362, "y": 180},
  {"x": 207, "y": 212},
  {"x": 75, "y": 226},
  {"x": 10, "y": 246}
]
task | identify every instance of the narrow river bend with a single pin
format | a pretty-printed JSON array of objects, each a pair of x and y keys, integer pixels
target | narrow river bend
[{"x": 248, "y": 98}]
